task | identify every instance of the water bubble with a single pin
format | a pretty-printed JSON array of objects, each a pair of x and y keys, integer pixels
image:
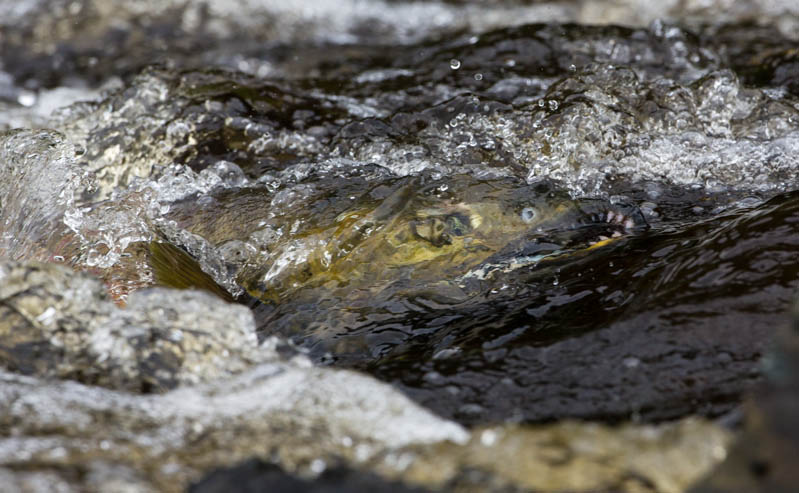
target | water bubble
[
  {"x": 27, "y": 98},
  {"x": 318, "y": 466},
  {"x": 478, "y": 76},
  {"x": 454, "y": 64},
  {"x": 446, "y": 353},
  {"x": 362, "y": 452},
  {"x": 553, "y": 105},
  {"x": 572, "y": 68},
  {"x": 631, "y": 362},
  {"x": 719, "y": 452},
  {"x": 47, "y": 316},
  {"x": 488, "y": 438}
]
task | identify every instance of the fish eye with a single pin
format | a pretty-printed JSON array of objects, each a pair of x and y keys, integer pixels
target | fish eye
[
  {"x": 528, "y": 214},
  {"x": 458, "y": 224}
]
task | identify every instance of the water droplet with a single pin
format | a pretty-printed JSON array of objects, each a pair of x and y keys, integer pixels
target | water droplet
[
  {"x": 719, "y": 452},
  {"x": 318, "y": 466},
  {"x": 26, "y": 98},
  {"x": 454, "y": 64},
  {"x": 572, "y": 68},
  {"x": 446, "y": 353},
  {"x": 488, "y": 438},
  {"x": 553, "y": 105},
  {"x": 631, "y": 362},
  {"x": 478, "y": 76},
  {"x": 47, "y": 316}
]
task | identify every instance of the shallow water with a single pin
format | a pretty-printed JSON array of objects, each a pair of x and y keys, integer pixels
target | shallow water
[{"x": 508, "y": 220}]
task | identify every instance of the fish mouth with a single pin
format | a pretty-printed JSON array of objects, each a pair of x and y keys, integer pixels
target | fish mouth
[
  {"x": 593, "y": 221},
  {"x": 605, "y": 221},
  {"x": 590, "y": 222}
]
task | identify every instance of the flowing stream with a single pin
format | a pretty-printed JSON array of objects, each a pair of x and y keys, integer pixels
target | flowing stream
[{"x": 465, "y": 245}]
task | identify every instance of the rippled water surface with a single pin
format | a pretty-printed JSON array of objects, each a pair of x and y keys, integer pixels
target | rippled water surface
[{"x": 514, "y": 213}]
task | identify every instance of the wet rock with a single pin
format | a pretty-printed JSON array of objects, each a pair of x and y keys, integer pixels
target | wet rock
[
  {"x": 564, "y": 457},
  {"x": 55, "y": 323},
  {"x": 254, "y": 476},
  {"x": 573, "y": 456},
  {"x": 304, "y": 418}
]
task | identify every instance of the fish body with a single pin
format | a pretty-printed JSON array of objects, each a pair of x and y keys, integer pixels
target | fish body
[{"x": 363, "y": 237}]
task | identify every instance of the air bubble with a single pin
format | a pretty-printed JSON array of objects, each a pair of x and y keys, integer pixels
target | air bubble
[
  {"x": 631, "y": 362},
  {"x": 27, "y": 98},
  {"x": 318, "y": 466},
  {"x": 454, "y": 64}
]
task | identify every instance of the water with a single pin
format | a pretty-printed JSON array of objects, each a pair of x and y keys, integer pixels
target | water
[{"x": 510, "y": 223}]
